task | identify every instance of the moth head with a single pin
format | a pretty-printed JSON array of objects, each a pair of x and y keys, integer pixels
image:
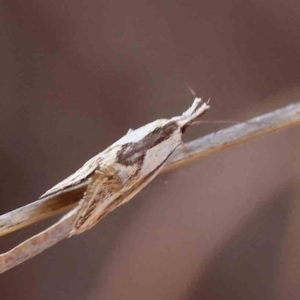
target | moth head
[{"x": 197, "y": 109}]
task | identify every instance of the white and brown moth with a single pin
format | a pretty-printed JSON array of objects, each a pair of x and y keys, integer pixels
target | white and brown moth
[{"x": 118, "y": 173}]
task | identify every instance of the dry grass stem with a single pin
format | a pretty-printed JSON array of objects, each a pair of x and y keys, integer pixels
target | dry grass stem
[{"x": 42, "y": 209}]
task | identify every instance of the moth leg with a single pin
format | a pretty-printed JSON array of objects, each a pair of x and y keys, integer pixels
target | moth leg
[{"x": 184, "y": 148}]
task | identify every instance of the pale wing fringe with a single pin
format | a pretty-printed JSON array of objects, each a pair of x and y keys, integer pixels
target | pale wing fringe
[{"x": 265, "y": 124}]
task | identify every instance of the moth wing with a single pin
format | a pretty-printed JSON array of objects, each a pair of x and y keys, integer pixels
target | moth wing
[
  {"x": 92, "y": 206},
  {"x": 79, "y": 178}
]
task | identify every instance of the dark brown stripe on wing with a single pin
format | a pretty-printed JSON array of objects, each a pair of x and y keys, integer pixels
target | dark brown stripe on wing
[{"x": 134, "y": 153}]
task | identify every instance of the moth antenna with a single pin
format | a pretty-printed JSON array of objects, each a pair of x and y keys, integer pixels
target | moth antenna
[
  {"x": 191, "y": 90},
  {"x": 228, "y": 122},
  {"x": 217, "y": 122},
  {"x": 197, "y": 109}
]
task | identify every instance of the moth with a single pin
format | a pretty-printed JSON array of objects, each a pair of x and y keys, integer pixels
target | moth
[{"x": 118, "y": 173}]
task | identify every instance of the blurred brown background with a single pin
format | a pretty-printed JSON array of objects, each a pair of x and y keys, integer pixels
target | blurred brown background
[{"x": 75, "y": 75}]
